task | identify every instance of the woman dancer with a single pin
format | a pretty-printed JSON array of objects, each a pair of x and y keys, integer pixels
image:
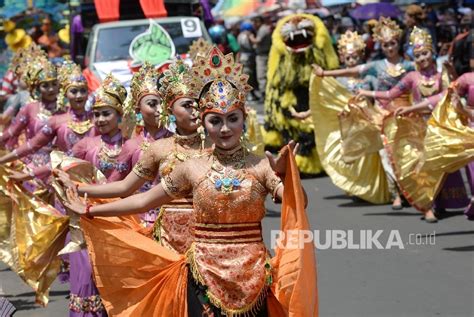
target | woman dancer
[
  {"x": 448, "y": 145},
  {"x": 384, "y": 74},
  {"x": 102, "y": 152},
  {"x": 334, "y": 100},
  {"x": 43, "y": 83},
  {"x": 425, "y": 83},
  {"x": 65, "y": 129},
  {"x": 229, "y": 186}
]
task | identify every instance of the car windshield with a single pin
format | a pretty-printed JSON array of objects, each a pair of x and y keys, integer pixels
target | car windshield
[{"x": 113, "y": 43}]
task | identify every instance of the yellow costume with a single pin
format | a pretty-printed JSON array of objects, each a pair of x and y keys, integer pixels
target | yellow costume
[
  {"x": 364, "y": 177},
  {"x": 298, "y": 41}
]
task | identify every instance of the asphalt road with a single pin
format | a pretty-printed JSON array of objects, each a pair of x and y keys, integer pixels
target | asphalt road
[{"x": 432, "y": 275}]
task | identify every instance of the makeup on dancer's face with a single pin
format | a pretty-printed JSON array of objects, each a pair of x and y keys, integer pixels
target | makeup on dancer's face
[
  {"x": 49, "y": 90},
  {"x": 150, "y": 106},
  {"x": 77, "y": 96},
  {"x": 106, "y": 119},
  {"x": 390, "y": 48},
  {"x": 226, "y": 129},
  {"x": 352, "y": 59},
  {"x": 184, "y": 109},
  {"x": 423, "y": 58}
]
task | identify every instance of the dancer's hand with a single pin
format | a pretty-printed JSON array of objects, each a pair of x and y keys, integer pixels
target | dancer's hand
[
  {"x": 317, "y": 70},
  {"x": 19, "y": 177},
  {"x": 278, "y": 164},
  {"x": 402, "y": 111},
  {"x": 63, "y": 178},
  {"x": 74, "y": 203},
  {"x": 301, "y": 115},
  {"x": 362, "y": 93}
]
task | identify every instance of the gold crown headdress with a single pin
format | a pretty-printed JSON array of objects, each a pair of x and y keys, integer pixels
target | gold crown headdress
[
  {"x": 69, "y": 75},
  {"x": 144, "y": 82},
  {"x": 350, "y": 42},
  {"x": 24, "y": 57},
  {"x": 420, "y": 39},
  {"x": 111, "y": 93},
  {"x": 199, "y": 47},
  {"x": 228, "y": 87},
  {"x": 173, "y": 85},
  {"x": 387, "y": 30},
  {"x": 38, "y": 71}
]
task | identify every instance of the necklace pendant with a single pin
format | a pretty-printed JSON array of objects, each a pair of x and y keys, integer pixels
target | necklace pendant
[{"x": 227, "y": 184}]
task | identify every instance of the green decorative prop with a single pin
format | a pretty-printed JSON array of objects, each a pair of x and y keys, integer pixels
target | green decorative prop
[{"x": 154, "y": 46}]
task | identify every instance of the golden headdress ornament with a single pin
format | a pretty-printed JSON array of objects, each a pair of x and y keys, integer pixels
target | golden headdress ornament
[
  {"x": 350, "y": 42},
  {"x": 24, "y": 57},
  {"x": 37, "y": 71},
  {"x": 174, "y": 84},
  {"x": 420, "y": 39},
  {"x": 199, "y": 47},
  {"x": 111, "y": 93},
  {"x": 144, "y": 82},
  {"x": 387, "y": 30},
  {"x": 228, "y": 87},
  {"x": 69, "y": 75}
]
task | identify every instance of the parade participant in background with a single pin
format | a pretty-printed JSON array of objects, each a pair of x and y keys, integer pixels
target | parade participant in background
[
  {"x": 448, "y": 142},
  {"x": 102, "y": 152},
  {"x": 425, "y": 83},
  {"x": 41, "y": 77},
  {"x": 20, "y": 95},
  {"x": 63, "y": 130},
  {"x": 229, "y": 186},
  {"x": 298, "y": 41},
  {"x": 384, "y": 75},
  {"x": 334, "y": 101},
  {"x": 144, "y": 103},
  {"x": 50, "y": 40}
]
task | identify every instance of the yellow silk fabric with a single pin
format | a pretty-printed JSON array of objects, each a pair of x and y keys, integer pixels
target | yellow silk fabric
[
  {"x": 365, "y": 176},
  {"x": 37, "y": 233},
  {"x": 361, "y": 126},
  {"x": 404, "y": 142},
  {"x": 449, "y": 141}
]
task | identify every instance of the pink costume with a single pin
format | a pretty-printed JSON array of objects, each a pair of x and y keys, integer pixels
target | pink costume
[
  {"x": 130, "y": 155},
  {"x": 65, "y": 129},
  {"x": 415, "y": 83},
  {"x": 465, "y": 87},
  {"x": 102, "y": 152},
  {"x": 429, "y": 85},
  {"x": 31, "y": 119}
]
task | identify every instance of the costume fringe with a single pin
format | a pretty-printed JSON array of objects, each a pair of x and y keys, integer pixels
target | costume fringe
[{"x": 250, "y": 310}]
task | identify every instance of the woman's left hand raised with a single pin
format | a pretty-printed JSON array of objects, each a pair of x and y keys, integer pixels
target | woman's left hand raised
[{"x": 278, "y": 164}]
